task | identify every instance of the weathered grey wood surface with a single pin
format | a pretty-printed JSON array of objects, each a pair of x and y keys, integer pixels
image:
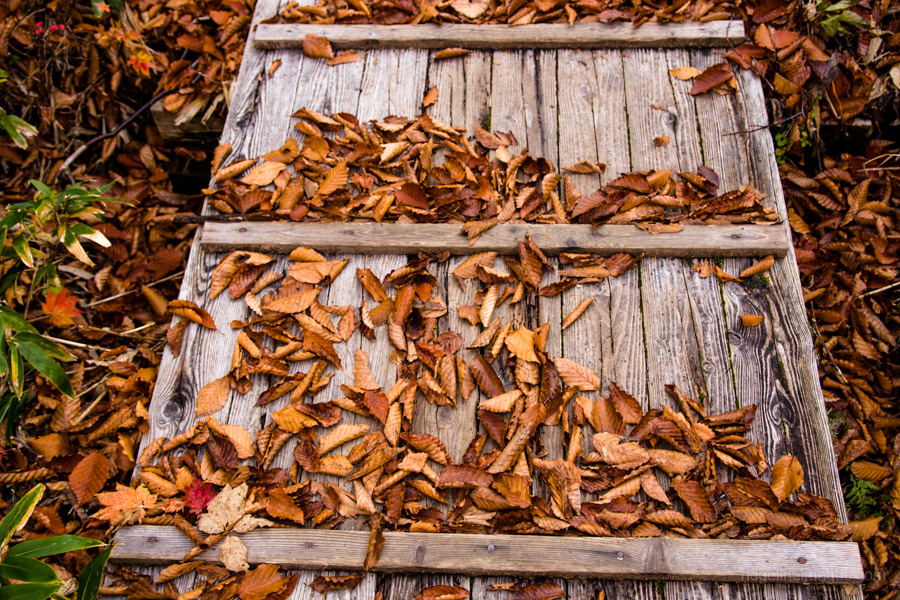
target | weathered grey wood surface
[
  {"x": 566, "y": 105},
  {"x": 409, "y": 238},
  {"x": 614, "y": 558},
  {"x": 272, "y": 36}
]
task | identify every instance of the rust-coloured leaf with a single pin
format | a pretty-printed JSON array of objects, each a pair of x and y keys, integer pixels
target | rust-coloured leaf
[
  {"x": 577, "y": 312},
  {"x": 376, "y": 541},
  {"x": 751, "y": 320},
  {"x": 212, "y": 396},
  {"x": 88, "y": 476},
  {"x": 258, "y": 583},
  {"x": 442, "y": 592},
  {"x": 192, "y": 312},
  {"x": 329, "y": 583},
  {"x": 450, "y": 53},
  {"x": 759, "y": 267},
  {"x": 787, "y": 476},
  {"x": 711, "y": 77},
  {"x": 431, "y": 96},
  {"x": 316, "y": 46},
  {"x": 545, "y": 590},
  {"x": 696, "y": 499},
  {"x": 576, "y": 376}
]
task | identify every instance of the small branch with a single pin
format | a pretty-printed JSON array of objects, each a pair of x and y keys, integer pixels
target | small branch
[
  {"x": 135, "y": 290},
  {"x": 120, "y": 127},
  {"x": 75, "y": 344},
  {"x": 879, "y": 290}
]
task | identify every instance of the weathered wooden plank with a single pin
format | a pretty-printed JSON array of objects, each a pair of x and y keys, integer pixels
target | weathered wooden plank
[
  {"x": 754, "y": 350},
  {"x": 623, "y": 353},
  {"x": 799, "y": 392},
  {"x": 403, "y": 238},
  {"x": 463, "y": 101},
  {"x": 504, "y": 37},
  {"x": 364, "y": 590},
  {"x": 618, "y": 558}
]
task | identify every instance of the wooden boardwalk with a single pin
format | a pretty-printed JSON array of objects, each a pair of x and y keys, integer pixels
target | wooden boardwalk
[{"x": 655, "y": 325}]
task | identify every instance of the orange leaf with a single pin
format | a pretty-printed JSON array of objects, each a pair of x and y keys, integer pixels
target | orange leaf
[
  {"x": 258, "y": 583},
  {"x": 61, "y": 308},
  {"x": 125, "y": 505},
  {"x": 212, "y": 396},
  {"x": 192, "y": 312},
  {"x": 316, "y": 46},
  {"x": 430, "y": 97},
  {"x": 787, "y": 476},
  {"x": 88, "y": 476},
  {"x": 760, "y": 267},
  {"x": 442, "y": 592},
  {"x": 751, "y": 320}
]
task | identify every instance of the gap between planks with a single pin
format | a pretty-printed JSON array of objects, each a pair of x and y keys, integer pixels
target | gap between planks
[
  {"x": 504, "y": 37},
  {"x": 524, "y": 555},
  {"x": 404, "y": 238}
]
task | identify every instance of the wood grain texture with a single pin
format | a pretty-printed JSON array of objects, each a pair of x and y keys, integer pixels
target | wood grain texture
[
  {"x": 502, "y": 37},
  {"x": 759, "y": 368},
  {"x": 619, "y": 558},
  {"x": 404, "y": 238}
]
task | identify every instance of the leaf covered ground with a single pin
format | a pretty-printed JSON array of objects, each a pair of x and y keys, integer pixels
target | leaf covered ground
[{"x": 82, "y": 72}]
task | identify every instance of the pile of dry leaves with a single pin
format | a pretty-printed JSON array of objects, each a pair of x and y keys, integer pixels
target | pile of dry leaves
[
  {"x": 622, "y": 471},
  {"x": 384, "y": 171}
]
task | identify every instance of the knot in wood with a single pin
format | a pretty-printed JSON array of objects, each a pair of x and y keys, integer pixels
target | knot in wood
[
  {"x": 801, "y": 560},
  {"x": 420, "y": 554},
  {"x": 173, "y": 409}
]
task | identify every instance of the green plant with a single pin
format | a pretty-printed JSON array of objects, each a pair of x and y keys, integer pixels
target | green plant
[
  {"x": 861, "y": 496},
  {"x": 23, "y": 576},
  {"x": 16, "y": 128},
  {"x": 784, "y": 143},
  {"x": 833, "y": 18},
  {"x": 30, "y": 234}
]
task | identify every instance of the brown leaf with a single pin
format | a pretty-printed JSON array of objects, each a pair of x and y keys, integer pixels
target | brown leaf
[
  {"x": 751, "y": 320},
  {"x": 586, "y": 167},
  {"x": 324, "y": 583},
  {"x": 661, "y": 141},
  {"x": 458, "y": 476},
  {"x": 430, "y": 445},
  {"x": 315, "y": 46},
  {"x": 685, "y": 73},
  {"x": 345, "y": 57},
  {"x": 88, "y": 476},
  {"x": 710, "y": 78},
  {"x": 212, "y": 396},
  {"x": 450, "y": 53},
  {"x": 258, "y": 583},
  {"x": 759, "y": 267},
  {"x": 696, "y": 499},
  {"x": 486, "y": 377},
  {"x": 546, "y": 590},
  {"x": 264, "y": 174},
  {"x": 376, "y": 541},
  {"x": 787, "y": 476},
  {"x": 577, "y": 376},
  {"x": 442, "y": 592},
  {"x": 577, "y": 312},
  {"x": 192, "y": 312}
]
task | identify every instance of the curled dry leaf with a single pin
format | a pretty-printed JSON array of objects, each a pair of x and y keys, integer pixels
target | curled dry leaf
[
  {"x": 759, "y": 267},
  {"x": 324, "y": 584},
  {"x": 751, "y": 320},
  {"x": 787, "y": 477},
  {"x": 685, "y": 73},
  {"x": 192, "y": 312},
  {"x": 431, "y": 96},
  {"x": 450, "y": 53},
  {"x": 316, "y": 46},
  {"x": 442, "y": 592},
  {"x": 577, "y": 312}
]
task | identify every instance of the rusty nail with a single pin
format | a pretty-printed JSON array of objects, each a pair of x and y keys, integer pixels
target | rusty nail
[{"x": 801, "y": 560}]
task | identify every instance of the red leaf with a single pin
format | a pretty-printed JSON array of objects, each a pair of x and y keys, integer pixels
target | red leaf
[
  {"x": 198, "y": 495},
  {"x": 61, "y": 308}
]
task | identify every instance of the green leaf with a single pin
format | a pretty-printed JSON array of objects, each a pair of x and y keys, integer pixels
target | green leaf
[
  {"x": 22, "y": 568},
  {"x": 42, "y": 187},
  {"x": 53, "y": 350},
  {"x": 842, "y": 5},
  {"x": 59, "y": 544},
  {"x": 28, "y": 591},
  {"x": 23, "y": 250},
  {"x": 16, "y": 370},
  {"x": 20, "y": 513},
  {"x": 851, "y": 18},
  {"x": 15, "y": 322},
  {"x": 46, "y": 366},
  {"x": 91, "y": 577}
]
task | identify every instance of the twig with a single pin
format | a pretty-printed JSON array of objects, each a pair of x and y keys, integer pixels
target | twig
[
  {"x": 115, "y": 131},
  {"x": 879, "y": 290},
  {"x": 135, "y": 290},
  {"x": 76, "y": 344},
  {"x": 89, "y": 408}
]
